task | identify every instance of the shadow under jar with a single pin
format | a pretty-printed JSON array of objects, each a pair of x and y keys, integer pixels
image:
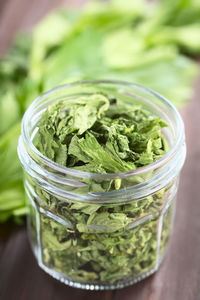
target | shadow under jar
[{"x": 67, "y": 210}]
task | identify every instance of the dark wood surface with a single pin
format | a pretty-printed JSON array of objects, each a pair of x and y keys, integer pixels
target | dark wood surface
[{"x": 178, "y": 277}]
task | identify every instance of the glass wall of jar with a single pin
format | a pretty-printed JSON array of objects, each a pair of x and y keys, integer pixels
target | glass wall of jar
[{"x": 101, "y": 231}]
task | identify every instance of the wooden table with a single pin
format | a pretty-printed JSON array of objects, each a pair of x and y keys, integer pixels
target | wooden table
[{"x": 178, "y": 277}]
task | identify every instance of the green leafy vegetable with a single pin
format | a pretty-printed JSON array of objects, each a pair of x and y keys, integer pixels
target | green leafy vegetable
[
  {"x": 92, "y": 132},
  {"x": 11, "y": 186},
  {"x": 104, "y": 243}
]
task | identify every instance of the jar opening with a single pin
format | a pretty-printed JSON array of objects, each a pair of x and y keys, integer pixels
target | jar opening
[{"x": 148, "y": 97}]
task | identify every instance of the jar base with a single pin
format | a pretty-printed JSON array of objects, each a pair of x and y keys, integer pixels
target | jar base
[{"x": 88, "y": 286}]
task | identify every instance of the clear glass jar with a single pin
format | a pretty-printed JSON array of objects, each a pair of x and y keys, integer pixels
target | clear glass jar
[{"x": 67, "y": 208}]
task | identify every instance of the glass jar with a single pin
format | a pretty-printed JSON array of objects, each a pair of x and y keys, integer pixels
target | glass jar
[{"x": 84, "y": 236}]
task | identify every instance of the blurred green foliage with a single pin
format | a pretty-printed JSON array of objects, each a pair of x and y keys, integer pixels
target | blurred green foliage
[{"x": 139, "y": 41}]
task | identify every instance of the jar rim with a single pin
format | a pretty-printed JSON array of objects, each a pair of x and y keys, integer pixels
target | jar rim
[{"x": 45, "y": 161}]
